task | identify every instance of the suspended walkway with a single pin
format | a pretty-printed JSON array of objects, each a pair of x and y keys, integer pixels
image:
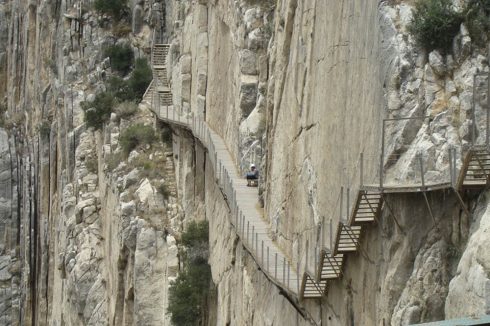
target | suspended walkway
[{"x": 249, "y": 223}]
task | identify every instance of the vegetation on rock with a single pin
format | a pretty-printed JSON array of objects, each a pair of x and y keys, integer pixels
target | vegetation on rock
[
  {"x": 434, "y": 24},
  {"x": 121, "y": 57},
  {"x": 115, "y": 8},
  {"x": 136, "y": 135},
  {"x": 99, "y": 111},
  {"x": 477, "y": 19},
  {"x": 188, "y": 293}
]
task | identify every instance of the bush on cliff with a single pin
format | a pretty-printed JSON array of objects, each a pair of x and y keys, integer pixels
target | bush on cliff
[
  {"x": 188, "y": 293},
  {"x": 135, "y": 86},
  {"x": 477, "y": 19},
  {"x": 99, "y": 111},
  {"x": 136, "y": 135},
  {"x": 434, "y": 24},
  {"x": 121, "y": 57},
  {"x": 115, "y": 8}
]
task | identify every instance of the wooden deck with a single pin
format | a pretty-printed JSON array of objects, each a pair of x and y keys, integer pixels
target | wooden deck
[{"x": 253, "y": 230}]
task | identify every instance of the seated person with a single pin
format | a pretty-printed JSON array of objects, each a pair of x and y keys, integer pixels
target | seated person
[{"x": 253, "y": 175}]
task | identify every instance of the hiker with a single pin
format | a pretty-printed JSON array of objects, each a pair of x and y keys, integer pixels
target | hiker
[{"x": 252, "y": 176}]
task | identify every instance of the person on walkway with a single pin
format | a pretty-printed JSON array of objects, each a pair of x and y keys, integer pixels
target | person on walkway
[{"x": 252, "y": 176}]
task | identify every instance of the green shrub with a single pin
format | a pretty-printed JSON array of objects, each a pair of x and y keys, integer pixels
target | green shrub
[
  {"x": 121, "y": 57},
  {"x": 187, "y": 295},
  {"x": 434, "y": 24},
  {"x": 115, "y": 8},
  {"x": 163, "y": 190},
  {"x": 120, "y": 88},
  {"x": 135, "y": 135},
  {"x": 166, "y": 135},
  {"x": 99, "y": 111},
  {"x": 121, "y": 29},
  {"x": 197, "y": 232},
  {"x": 140, "y": 78},
  {"x": 125, "y": 110},
  {"x": 113, "y": 160},
  {"x": 92, "y": 164},
  {"x": 477, "y": 19},
  {"x": 134, "y": 88}
]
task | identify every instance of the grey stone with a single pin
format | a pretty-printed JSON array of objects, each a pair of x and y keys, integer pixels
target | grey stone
[
  {"x": 248, "y": 94},
  {"x": 436, "y": 62},
  {"x": 248, "y": 62}
]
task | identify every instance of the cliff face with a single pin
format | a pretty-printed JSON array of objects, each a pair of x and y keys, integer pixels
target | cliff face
[{"x": 299, "y": 88}]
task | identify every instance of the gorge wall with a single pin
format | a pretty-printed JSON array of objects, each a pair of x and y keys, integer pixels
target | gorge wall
[{"x": 299, "y": 88}]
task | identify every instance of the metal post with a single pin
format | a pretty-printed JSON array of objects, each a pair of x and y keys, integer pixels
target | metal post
[
  {"x": 307, "y": 255},
  {"x": 451, "y": 172},
  {"x": 382, "y": 156},
  {"x": 268, "y": 258},
  {"x": 347, "y": 206},
  {"x": 488, "y": 103},
  {"x": 316, "y": 258},
  {"x": 262, "y": 251},
  {"x": 323, "y": 232},
  {"x": 297, "y": 277},
  {"x": 253, "y": 232},
  {"x": 341, "y": 201},
  {"x": 362, "y": 170},
  {"x": 454, "y": 166},
  {"x": 257, "y": 243},
  {"x": 248, "y": 229},
  {"x": 422, "y": 170},
  {"x": 283, "y": 270},
  {"x": 473, "y": 115},
  {"x": 289, "y": 268},
  {"x": 275, "y": 267},
  {"x": 331, "y": 241}
]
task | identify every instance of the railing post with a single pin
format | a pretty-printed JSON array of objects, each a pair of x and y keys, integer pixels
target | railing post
[
  {"x": 248, "y": 230},
  {"x": 341, "y": 202},
  {"x": 307, "y": 249},
  {"x": 362, "y": 170},
  {"x": 473, "y": 115},
  {"x": 382, "y": 156},
  {"x": 422, "y": 170},
  {"x": 454, "y": 167},
  {"x": 316, "y": 259},
  {"x": 262, "y": 251},
  {"x": 323, "y": 232},
  {"x": 275, "y": 267},
  {"x": 289, "y": 268},
  {"x": 451, "y": 166},
  {"x": 268, "y": 257},
  {"x": 348, "y": 204},
  {"x": 488, "y": 103},
  {"x": 253, "y": 232},
  {"x": 381, "y": 172},
  {"x": 257, "y": 243},
  {"x": 331, "y": 240},
  {"x": 283, "y": 270},
  {"x": 297, "y": 277}
]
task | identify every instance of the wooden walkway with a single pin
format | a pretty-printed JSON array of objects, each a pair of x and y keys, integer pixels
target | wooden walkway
[{"x": 247, "y": 219}]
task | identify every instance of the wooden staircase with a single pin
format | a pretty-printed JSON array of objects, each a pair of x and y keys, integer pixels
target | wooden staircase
[
  {"x": 159, "y": 66},
  {"x": 366, "y": 210},
  {"x": 475, "y": 172},
  {"x": 159, "y": 55}
]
